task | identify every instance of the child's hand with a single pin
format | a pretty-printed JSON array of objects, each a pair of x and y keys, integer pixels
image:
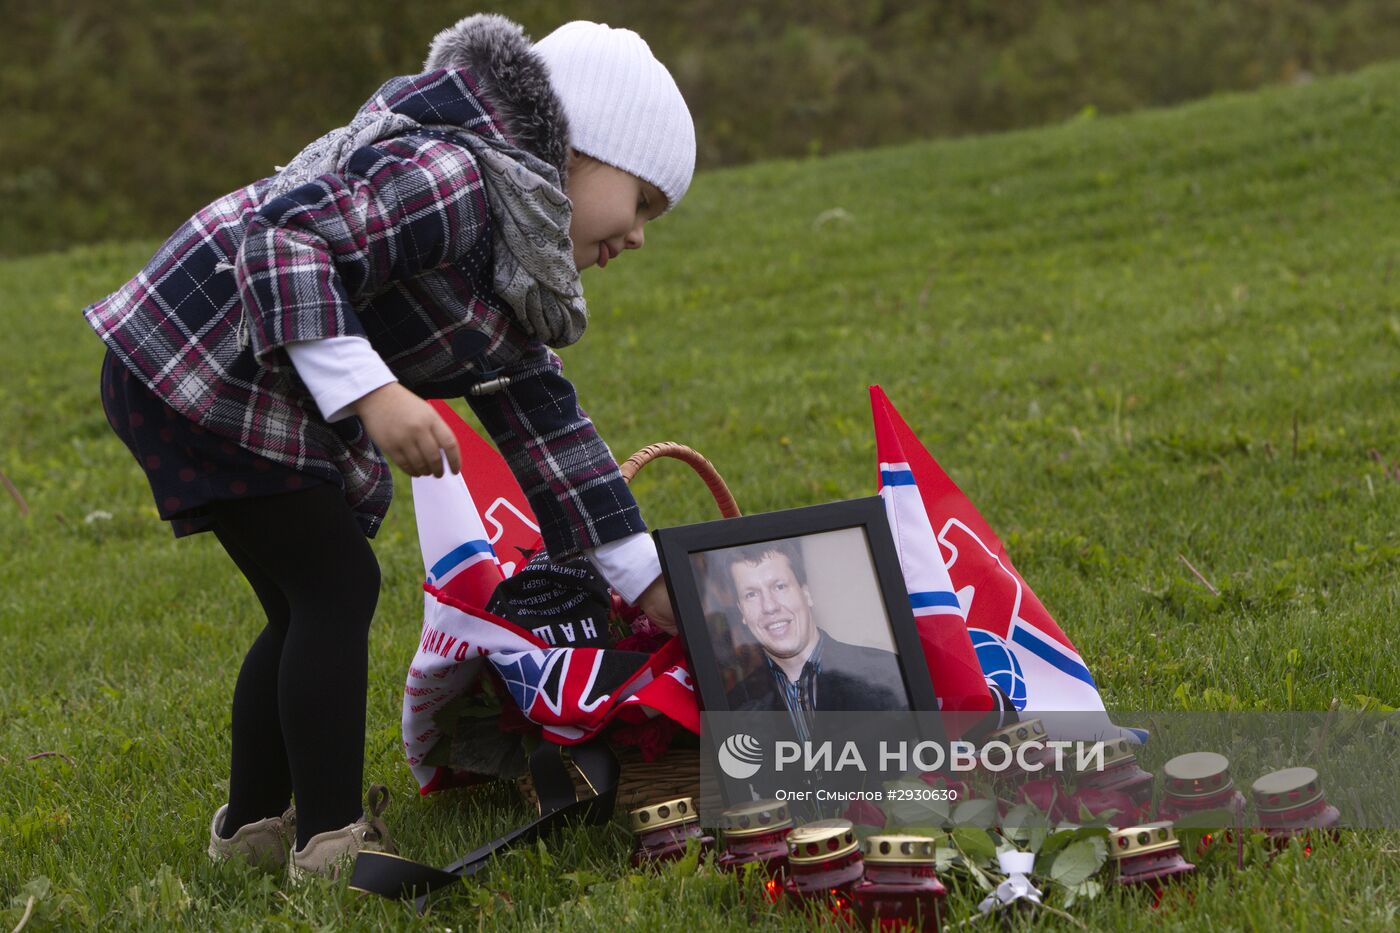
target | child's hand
[
  {"x": 655, "y": 601},
  {"x": 408, "y": 430}
]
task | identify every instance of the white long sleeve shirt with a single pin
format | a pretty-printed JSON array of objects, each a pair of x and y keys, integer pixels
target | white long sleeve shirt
[{"x": 339, "y": 371}]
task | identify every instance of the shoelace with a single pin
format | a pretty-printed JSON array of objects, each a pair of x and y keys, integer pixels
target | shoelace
[
  {"x": 376, "y": 802},
  {"x": 289, "y": 826}
]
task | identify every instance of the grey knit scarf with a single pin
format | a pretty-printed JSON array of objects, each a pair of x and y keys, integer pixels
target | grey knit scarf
[{"x": 532, "y": 254}]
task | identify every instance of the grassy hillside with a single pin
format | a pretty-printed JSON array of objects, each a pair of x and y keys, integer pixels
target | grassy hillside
[
  {"x": 1129, "y": 340},
  {"x": 195, "y": 99}
]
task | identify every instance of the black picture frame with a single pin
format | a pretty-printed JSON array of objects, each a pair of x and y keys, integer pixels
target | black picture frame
[{"x": 677, "y": 546}]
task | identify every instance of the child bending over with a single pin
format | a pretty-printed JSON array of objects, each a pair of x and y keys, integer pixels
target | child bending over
[{"x": 280, "y": 345}]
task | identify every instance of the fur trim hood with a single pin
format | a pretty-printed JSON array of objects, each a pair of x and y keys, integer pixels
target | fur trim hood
[{"x": 512, "y": 78}]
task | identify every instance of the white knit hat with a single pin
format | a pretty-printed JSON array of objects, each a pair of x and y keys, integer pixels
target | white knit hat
[{"x": 623, "y": 105}]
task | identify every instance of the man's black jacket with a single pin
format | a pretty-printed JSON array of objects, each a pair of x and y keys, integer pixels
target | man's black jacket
[{"x": 852, "y": 677}]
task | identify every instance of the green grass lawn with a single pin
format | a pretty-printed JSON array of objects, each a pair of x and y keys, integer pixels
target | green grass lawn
[{"x": 1131, "y": 340}]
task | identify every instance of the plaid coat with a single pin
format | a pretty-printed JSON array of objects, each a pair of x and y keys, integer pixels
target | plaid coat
[{"x": 396, "y": 248}]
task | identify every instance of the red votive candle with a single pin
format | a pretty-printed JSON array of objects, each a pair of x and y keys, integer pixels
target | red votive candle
[
  {"x": 1149, "y": 855},
  {"x": 824, "y": 865},
  {"x": 900, "y": 890},
  {"x": 1120, "y": 773},
  {"x": 1198, "y": 783},
  {"x": 1290, "y": 803},
  {"x": 1024, "y": 764},
  {"x": 756, "y": 834},
  {"x": 664, "y": 829}
]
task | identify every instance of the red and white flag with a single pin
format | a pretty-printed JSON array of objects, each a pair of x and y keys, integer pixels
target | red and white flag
[
  {"x": 1016, "y": 643},
  {"x": 472, "y": 539}
]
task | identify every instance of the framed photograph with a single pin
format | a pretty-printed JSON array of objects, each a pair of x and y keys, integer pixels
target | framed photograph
[{"x": 803, "y": 611}]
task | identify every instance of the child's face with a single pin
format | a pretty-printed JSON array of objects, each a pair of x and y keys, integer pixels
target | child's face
[{"x": 610, "y": 209}]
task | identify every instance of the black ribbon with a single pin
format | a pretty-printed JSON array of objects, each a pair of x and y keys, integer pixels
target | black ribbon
[{"x": 393, "y": 876}]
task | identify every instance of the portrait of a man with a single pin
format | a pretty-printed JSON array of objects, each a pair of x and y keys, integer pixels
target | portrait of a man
[{"x": 801, "y": 667}]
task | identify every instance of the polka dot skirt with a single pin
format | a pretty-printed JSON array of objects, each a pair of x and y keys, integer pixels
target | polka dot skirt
[{"x": 187, "y": 466}]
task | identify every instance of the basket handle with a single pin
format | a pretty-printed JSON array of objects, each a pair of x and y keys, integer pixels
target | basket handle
[{"x": 723, "y": 497}]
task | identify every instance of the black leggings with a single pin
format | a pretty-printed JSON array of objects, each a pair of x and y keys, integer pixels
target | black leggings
[{"x": 299, "y": 704}]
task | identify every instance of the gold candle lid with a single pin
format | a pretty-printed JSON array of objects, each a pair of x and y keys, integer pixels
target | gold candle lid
[
  {"x": 1019, "y": 733},
  {"x": 1198, "y": 774},
  {"x": 822, "y": 840},
  {"x": 1286, "y": 789},
  {"x": 669, "y": 813},
  {"x": 1139, "y": 840},
  {"x": 885, "y": 850},
  {"x": 758, "y": 816},
  {"x": 1117, "y": 752}
]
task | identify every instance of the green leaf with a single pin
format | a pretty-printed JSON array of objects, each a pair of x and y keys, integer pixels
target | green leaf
[
  {"x": 584, "y": 879},
  {"x": 1372, "y": 704},
  {"x": 1078, "y": 862},
  {"x": 1025, "y": 826},
  {"x": 906, "y": 804},
  {"x": 688, "y": 864},
  {"x": 37, "y": 887},
  {"x": 483, "y": 899},
  {"x": 171, "y": 897},
  {"x": 980, "y": 812},
  {"x": 979, "y": 876},
  {"x": 1223, "y": 849},
  {"x": 1104, "y": 818},
  {"x": 975, "y": 844},
  {"x": 1087, "y": 890},
  {"x": 1053, "y": 843},
  {"x": 945, "y": 857}
]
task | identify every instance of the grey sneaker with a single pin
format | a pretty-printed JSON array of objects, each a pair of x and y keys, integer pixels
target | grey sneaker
[
  {"x": 263, "y": 844},
  {"x": 330, "y": 854}
]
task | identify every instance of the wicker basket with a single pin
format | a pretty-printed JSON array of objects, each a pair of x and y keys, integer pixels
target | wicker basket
[{"x": 677, "y": 773}]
